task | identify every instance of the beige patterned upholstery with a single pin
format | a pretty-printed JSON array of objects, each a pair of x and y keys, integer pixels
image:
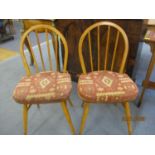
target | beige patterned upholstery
[
  {"x": 44, "y": 87},
  {"x": 106, "y": 86}
]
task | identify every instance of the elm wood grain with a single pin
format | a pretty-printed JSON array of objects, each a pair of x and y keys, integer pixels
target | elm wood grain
[{"x": 73, "y": 28}]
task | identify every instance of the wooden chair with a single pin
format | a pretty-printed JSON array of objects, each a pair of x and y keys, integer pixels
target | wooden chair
[
  {"x": 147, "y": 83},
  {"x": 43, "y": 85},
  {"x": 102, "y": 84},
  {"x": 27, "y": 23}
]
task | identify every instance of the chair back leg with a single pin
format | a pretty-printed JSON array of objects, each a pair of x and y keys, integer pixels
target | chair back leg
[
  {"x": 67, "y": 115},
  {"x": 84, "y": 117}
]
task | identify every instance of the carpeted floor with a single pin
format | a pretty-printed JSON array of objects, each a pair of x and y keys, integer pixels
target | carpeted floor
[
  {"x": 49, "y": 119},
  {"x": 6, "y": 54}
]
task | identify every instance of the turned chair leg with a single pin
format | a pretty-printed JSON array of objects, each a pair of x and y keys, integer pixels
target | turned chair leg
[
  {"x": 67, "y": 115},
  {"x": 84, "y": 117},
  {"x": 128, "y": 117},
  {"x": 25, "y": 118}
]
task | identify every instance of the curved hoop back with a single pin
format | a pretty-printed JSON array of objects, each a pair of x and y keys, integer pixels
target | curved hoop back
[
  {"x": 56, "y": 36},
  {"x": 87, "y": 34}
]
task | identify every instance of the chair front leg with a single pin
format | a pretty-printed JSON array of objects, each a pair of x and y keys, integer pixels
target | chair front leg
[
  {"x": 128, "y": 117},
  {"x": 84, "y": 117},
  {"x": 67, "y": 115},
  {"x": 25, "y": 118}
]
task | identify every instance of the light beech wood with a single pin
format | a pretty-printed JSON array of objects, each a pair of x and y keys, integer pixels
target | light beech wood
[
  {"x": 25, "y": 118},
  {"x": 40, "y": 51},
  {"x": 56, "y": 47},
  {"x": 109, "y": 25},
  {"x": 47, "y": 30},
  {"x": 49, "y": 51},
  {"x": 27, "y": 23},
  {"x": 115, "y": 49},
  {"x": 84, "y": 116},
  {"x": 66, "y": 112},
  {"x": 120, "y": 32},
  {"x": 90, "y": 51},
  {"x": 128, "y": 117},
  {"x": 50, "y": 30}
]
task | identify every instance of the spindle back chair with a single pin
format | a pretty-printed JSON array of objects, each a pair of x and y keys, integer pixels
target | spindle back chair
[
  {"x": 58, "y": 38},
  {"x": 120, "y": 33},
  {"x": 27, "y": 23},
  {"x": 87, "y": 34}
]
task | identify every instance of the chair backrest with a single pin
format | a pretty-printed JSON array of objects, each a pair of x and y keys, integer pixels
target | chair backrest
[
  {"x": 110, "y": 34},
  {"x": 56, "y": 43}
]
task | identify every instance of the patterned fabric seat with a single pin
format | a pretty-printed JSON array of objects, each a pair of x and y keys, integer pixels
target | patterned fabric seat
[
  {"x": 44, "y": 87},
  {"x": 106, "y": 86}
]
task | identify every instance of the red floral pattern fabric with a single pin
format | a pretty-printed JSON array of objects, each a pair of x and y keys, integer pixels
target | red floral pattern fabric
[
  {"x": 44, "y": 87},
  {"x": 106, "y": 86}
]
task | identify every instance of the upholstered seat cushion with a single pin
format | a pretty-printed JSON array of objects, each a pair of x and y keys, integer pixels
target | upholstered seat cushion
[
  {"x": 106, "y": 86},
  {"x": 44, "y": 87}
]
